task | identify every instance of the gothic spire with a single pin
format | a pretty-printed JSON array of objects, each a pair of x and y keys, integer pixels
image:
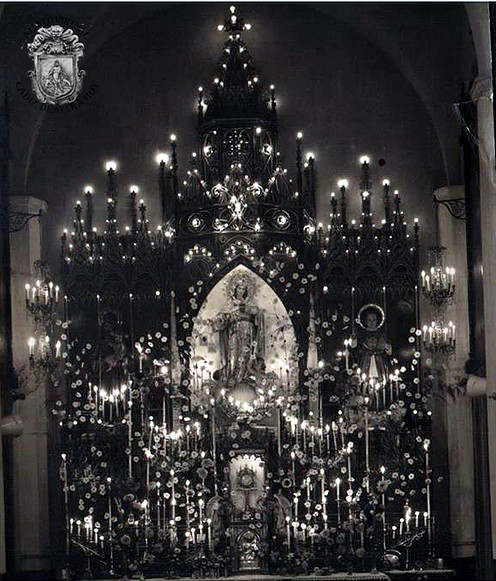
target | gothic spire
[{"x": 236, "y": 90}]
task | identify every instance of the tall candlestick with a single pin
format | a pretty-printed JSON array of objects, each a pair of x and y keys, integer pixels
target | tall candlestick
[
  {"x": 349, "y": 450},
  {"x": 68, "y": 523},
  {"x": 323, "y": 497},
  {"x": 209, "y": 534},
  {"x": 427, "y": 478},
  {"x": 341, "y": 429},
  {"x": 130, "y": 437},
  {"x": 111, "y": 543},
  {"x": 383, "y": 500},
  {"x": 173, "y": 497},
  {"x": 428, "y": 493},
  {"x": 334, "y": 427},
  {"x": 367, "y": 464}
]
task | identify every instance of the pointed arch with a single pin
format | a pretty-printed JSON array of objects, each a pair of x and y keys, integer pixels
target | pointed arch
[{"x": 280, "y": 345}]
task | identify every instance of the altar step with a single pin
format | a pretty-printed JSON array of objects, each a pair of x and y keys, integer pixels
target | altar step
[{"x": 394, "y": 575}]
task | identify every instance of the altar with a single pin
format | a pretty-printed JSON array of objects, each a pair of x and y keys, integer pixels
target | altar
[{"x": 239, "y": 391}]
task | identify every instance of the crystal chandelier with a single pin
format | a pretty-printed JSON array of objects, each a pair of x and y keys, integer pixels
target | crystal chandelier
[{"x": 438, "y": 286}]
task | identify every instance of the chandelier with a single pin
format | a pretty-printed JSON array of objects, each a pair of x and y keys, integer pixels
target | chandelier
[
  {"x": 439, "y": 338},
  {"x": 42, "y": 302},
  {"x": 438, "y": 286}
]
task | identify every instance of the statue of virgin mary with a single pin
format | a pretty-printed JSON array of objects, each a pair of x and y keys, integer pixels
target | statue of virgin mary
[{"x": 241, "y": 335}]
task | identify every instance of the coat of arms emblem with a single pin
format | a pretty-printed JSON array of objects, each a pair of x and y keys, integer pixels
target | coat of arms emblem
[{"x": 56, "y": 78}]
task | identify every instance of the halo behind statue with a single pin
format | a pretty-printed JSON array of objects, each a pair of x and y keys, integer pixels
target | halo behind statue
[
  {"x": 371, "y": 308},
  {"x": 241, "y": 288}
]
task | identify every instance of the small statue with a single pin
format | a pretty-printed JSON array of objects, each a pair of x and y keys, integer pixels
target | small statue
[
  {"x": 213, "y": 512},
  {"x": 112, "y": 353},
  {"x": 282, "y": 509},
  {"x": 249, "y": 550},
  {"x": 373, "y": 350}
]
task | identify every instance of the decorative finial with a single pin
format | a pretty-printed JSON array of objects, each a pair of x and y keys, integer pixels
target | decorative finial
[
  {"x": 365, "y": 183},
  {"x": 397, "y": 208},
  {"x": 111, "y": 166},
  {"x": 133, "y": 192},
  {"x": 78, "y": 223},
  {"x": 387, "y": 202},
  {"x": 343, "y": 184},
  {"x": 143, "y": 220},
  {"x": 174, "y": 165},
  {"x": 233, "y": 23},
  {"x": 299, "y": 169},
  {"x": 88, "y": 191}
]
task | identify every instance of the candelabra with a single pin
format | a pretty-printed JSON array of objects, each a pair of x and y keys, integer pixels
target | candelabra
[
  {"x": 439, "y": 338},
  {"x": 438, "y": 286},
  {"x": 42, "y": 302}
]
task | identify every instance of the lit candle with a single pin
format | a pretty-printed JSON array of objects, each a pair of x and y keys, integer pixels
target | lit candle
[
  {"x": 334, "y": 435},
  {"x": 383, "y": 499},
  {"x": 328, "y": 443},
  {"x": 173, "y": 496},
  {"x": 130, "y": 436},
  {"x": 209, "y": 534},
  {"x": 341, "y": 428},
  {"x": 349, "y": 450},
  {"x": 408, "y": 516},
  {"x": 427, "y": 477},
  {"x": 367, "y": 464},
  {"x": 139, "y": 348},
  {"x": 31, "y": 344}
]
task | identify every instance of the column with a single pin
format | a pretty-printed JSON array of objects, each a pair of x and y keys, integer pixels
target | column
[
  {"x": 458, "y": 408},
  {"x": 30, "y": 471},
  {"x": 482, "y": 93}
]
